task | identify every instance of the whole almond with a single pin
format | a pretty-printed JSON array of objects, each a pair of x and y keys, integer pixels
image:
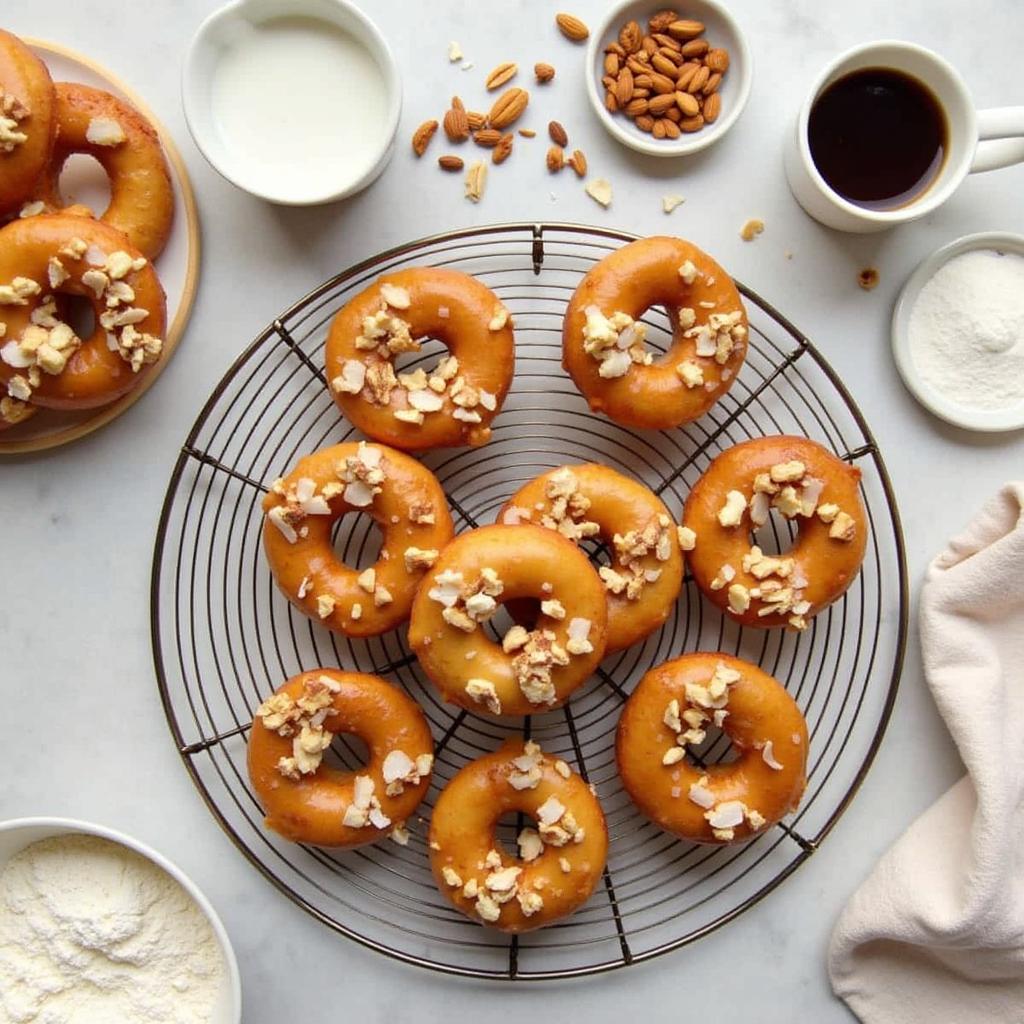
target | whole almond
[
  {"x": 559, "y": 136},
  {"x": 695, "y": 48},
  {"x": 487, "y": 137},
  {"x": 508, "y": 108},
  {"x": 712, "y": 107},
  {"x": 476, "y": 120},
  {"x": 685, "y": 29},
  {"x": 555, "y": 159},
  {"x": 572, "y": 28},
  {"x": 609, "y": 81},
  {"x": 672, "y": 56},
  {"x": 688, "y": 104},
  {"x": 636, "y": 106},
  {"x": 543, "y": 72},
  {"x": 661, "y": 21},
  {"x": 450, "y": 163},
  {"x": 659, "y": 128},
  {"x": 611, "y": 64},
  {"x": 717, "y": 60},
  {"x": 643, "y": 81},
  {"x": 712, "y": 84},
  {"x": 636, "y": 66},
  {"x": 503, "y": 149},
  {"x": 624, "y": 87},
  {"x": 685, "y": 75},
  {"x": 645, "y": 122},
  {"x": 699, "y": 80},
  {"x": 527, "y": 133},
  {"x": 630, "y": 37},
  {"x": 578, "y": 162},
  {"x": 456, "y": 125},
  {"x": 610, "y": 102},
  {"x": 422, "y": 136},
  {"x": 648, "y": 45},
  {"x": 641, "y": 93},
  {"x": 674, "y": 114},
  {"x": 500, "y": 75},
  {"x": 657, "y": 105},
  {"x": 664, "y": 65},
  {"x": 692, "y": 124},
  {"x": 671, "y": 129},
  {"x": 663, "y": 84},
  {"x": 616, "y": 49},
  {"x": 667, "y": 42}
]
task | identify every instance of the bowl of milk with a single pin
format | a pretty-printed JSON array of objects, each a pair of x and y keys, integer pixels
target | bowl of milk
[{"x": 294, "y": 101}]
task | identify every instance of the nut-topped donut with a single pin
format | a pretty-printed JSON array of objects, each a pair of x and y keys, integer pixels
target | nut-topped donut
[
  {"x": 41, "y": 357},
  {"x": 531, "y": 670},
  {"x": 673, "y": 706},
  {"x": 127, "y": 147},
  {"x": 445, "y": 405},
  {"x": 28, "y": 123},
  {"x": 643, "y": 581},
  {"x": 308, "y": 801},
  {"x": 810, "y": 488},
  {"x": 560, "y": 860},
  {"x": 603, "y": 338},
  {"x": 405, "y": 501}
]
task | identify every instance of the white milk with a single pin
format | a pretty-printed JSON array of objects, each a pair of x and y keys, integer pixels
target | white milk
[{"x": 302, "y": 103}]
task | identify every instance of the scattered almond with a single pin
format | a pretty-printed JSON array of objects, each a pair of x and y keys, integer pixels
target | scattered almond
[
  {"x": 422, "y": 136},
  {"x": 600, "y": 190},
  {"x": 543, "y": 72},
  {"x": 503, "y": 150},
  {"x": 571, "y": 27},
  {"x": 868, "y": 278},
  {"x": 476, "y": 181},
  {"x": 527, "y": 133},
  {"x": 456, "y": 124},
  {"x": 578, "y": 162},
  {"x": 450, "y": 163},
  {"x": 559, "y": 136},
  {"x": 555, "y": 159},
  {"x": 751, "y": 229},
  {"x": 476, "y": 120},
  {"x": 500, "y": 75},
  {"x": 487, "y": 137},
  {"x": 508, "y": 108}
]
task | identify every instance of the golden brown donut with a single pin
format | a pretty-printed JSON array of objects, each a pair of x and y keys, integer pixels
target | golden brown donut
[
  {"x": 405, "y": 501},
  {"x": 810, "y": 487},
  {"x": 560, "y": 860},
  {"x": 643, "y": 580},
  {"x": 446, "y": 404},
  {"x": 674, "y": 705},
  {"x": 603, "y": 342},
  {"x": 41, "y": 358},
  {"x": 307, "y": 801},
  {"x": 531, "y": 670},
  {"x": 28, "y": 124},
  {"x": 128, "y": 148}
]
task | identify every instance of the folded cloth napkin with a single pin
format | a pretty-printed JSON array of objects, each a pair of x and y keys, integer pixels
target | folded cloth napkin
[{"x": 936, "y": 932}]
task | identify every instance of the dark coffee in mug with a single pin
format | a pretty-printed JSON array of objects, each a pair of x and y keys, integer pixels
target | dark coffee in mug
[{"x": 878, "y": 137}]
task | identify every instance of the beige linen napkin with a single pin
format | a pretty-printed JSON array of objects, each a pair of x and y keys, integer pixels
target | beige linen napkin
[{"x": 936, "y": 932}]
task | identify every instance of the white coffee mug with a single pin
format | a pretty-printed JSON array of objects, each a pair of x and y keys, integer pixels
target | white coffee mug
[{"x": 977, "y": 140}]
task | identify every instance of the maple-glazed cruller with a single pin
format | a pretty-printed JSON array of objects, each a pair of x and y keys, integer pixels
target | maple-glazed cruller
[
  {"x": 810, "y": 488},
  {"x": 28, "y": 124},
  {"x": 560, "y": 860},
  {"x": 531, "y": 670},
  {"x": 579, "y": 502},
  {"x": 441, "y": 403},
  {"x": 406, "y": 502},
  {"x": 673, "y": 706},
  {"x": 127, "y": 147},
  {"x": 308, "y": 801},
  {"x": 603, "y": 345},
  {"x": 41, "y": 357}
]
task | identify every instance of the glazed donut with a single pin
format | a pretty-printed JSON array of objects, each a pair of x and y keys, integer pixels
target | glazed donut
[
  {"x": 28, "y": 123},
  {"x": 674, "y": 705},
  {"x": 449, "y": 404},
  {"x": 643, "y": 581},
  {"x": 560, "y": 861},
  {"x": 40, "y": 356},
  {"x": 531, "y": 670},
  {"x": 128, "y": 148},
  {"x": 603, "y": 340},
  {"x": 405, "y": 501},
  {"x": 812, "y": 489},
  {"x": 307, "y": 801}
]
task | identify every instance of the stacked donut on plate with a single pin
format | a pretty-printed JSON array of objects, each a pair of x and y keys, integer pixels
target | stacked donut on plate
[
  {"x": 566, "y": 615},
  {"x": 51, "y": 252}
]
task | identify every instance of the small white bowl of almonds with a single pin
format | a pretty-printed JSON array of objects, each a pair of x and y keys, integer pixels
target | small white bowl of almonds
[{"x": 668, "y": 81}]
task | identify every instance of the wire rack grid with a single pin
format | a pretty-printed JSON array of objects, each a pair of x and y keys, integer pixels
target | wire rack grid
[{"x": 224, "y": 638}]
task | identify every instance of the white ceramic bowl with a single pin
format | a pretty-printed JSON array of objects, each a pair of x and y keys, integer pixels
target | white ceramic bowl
[
  {"x": 722, "y": 31},
  {"x": 18, "y": 833},
  {"x": 218, "y": 32},
  {"x": 991, "y": 420}
]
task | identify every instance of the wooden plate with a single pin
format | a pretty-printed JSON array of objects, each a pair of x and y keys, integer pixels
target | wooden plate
[{"x": 178, "y": 264}]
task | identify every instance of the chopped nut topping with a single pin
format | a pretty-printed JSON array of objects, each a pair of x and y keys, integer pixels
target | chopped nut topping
[
  {"x": 451, "y": 877},
  {"x": 553, "y": 609},
  {"x": 739, "y": 598},
  {"x": 364, "y": 809},
  {"x": 325, "y": 604},
  {"x": 466, "y": 604},
  {"x": 843, "y": 527},
  {"x": 768, "y": 756},
  {"x": 400, "y": 770},
  {"x": 563, "y": 769},
  {"x": 687, "y": 538},
  {"x": 499, "y": 318},
  {"x": 419, "y": 559},
  {"x": 563, "y": 863},
  {"x": 577, "y": 636},
  {"x": 616, "y": 342},
  {"x": 690, "y": 373},
  {"x": 533, "y": 666},
  {"x": 530, "y": 844},
  {"x": 302, "y": 720},
  {"x": 483, "y": 692},
  {"x": 672, "y": 756},
  {"x": 787, "y": 472},
  {"x": 104, "y": 131},
  {"x": 731, "y": 513},
  {"x": 12, "y": 113},
  {"x": 530, "y": 902}
]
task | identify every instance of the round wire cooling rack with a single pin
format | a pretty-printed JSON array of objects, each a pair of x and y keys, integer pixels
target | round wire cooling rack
[{"x": 224, "y": 638}]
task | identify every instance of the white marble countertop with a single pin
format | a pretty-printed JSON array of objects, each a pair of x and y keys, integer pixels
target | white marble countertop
[{"x": 84, "y": 731}]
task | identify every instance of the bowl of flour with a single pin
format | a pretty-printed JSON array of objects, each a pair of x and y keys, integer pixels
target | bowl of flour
[
  {"x": 95, "y": 927},
  {"x": 958, "y": 332}
]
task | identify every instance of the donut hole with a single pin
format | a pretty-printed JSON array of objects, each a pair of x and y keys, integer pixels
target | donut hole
[
  {"x": 506, "y": 832},
  {"x": 777, "y": 536},
  {"x": 347, "y": 753},
  {"x": 660, "y": 337},
  {"x": 83, "y": 181},
  {"x": 716, "y": 749},
  {"x": 523, "y": 611},
  {"x": 356, "y": 541},
  {"x": 430, "y": 353},
  {"x": 597, "y": 550},
  {"x": 78, "y": 313}
]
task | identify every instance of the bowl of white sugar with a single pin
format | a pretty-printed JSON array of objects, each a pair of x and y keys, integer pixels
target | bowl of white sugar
[
  {"x": 96, "y": 927},
  {"x": 958, "y": 332}
]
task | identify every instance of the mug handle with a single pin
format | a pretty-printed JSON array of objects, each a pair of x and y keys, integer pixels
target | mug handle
[{"x": 1001, "y": 138}]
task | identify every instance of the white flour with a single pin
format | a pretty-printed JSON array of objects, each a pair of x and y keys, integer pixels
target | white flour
[
  {"x": 967, "y": 330},
  {"x": 93, "y": 933}
]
